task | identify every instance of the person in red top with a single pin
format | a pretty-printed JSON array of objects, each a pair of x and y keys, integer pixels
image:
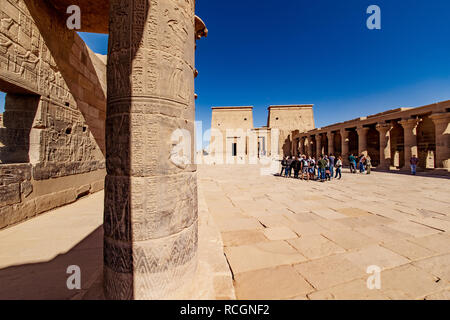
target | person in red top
[{"x": 414, "y": 162}]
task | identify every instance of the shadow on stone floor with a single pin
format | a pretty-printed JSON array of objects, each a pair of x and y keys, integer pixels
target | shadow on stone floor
[
  {"x": 442, "y": 174},
  {"x": 47, "y": 280}
]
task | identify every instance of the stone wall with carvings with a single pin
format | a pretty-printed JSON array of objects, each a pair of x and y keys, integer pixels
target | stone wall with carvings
[{"x": 55, "y": 110}]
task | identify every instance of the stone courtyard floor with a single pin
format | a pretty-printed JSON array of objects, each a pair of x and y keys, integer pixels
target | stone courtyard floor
[
  {"x": 282, "y": 239},
  {"x": 292, "y": 239}
]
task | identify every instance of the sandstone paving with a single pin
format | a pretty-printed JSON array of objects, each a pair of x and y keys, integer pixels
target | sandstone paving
[
  {"x": 238, "y": 224},
  {"x": 413, "y": 229},
  {"x": 242, "y": 237},
  {"x": 349, "y": 239},
  {"x": 383, "y": 233},
  {"x": 375, "y": 256},
  {"x": 409, "y": 282},
  {"x": 441, "y": 295},
  {"x": 438, "y": 266},
  {"x": 279, "y": 233},
  {"x": 341, "y": 228},
  {"x": 261, "y": 256},
  {"x": 329, "y": 271},
  {"x": 408, "y": 249},
  {"x": 315, "y": 246},
  {"x": 439, "y": 243},
  {"x": 352, "y": 290},
  {"x": 281, "y": 282}
]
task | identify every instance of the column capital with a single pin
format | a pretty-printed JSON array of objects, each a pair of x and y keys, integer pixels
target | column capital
[
  {"x": 330, "y": 134},
  {"x": 410, "y": 123},
  {"x": 440, "y": 117},
  {"x": 344, "y": 133},
  {"x": 383, "y": 127},
  {"x": 318, "y": 137},
  {"x": 361, "y": 129}
]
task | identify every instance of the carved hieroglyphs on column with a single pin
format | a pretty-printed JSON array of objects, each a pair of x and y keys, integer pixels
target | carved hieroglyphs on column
[{"x": 150, "y": 247}]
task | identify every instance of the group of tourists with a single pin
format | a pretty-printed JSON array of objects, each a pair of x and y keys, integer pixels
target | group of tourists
[
  {"x": 324, "y": 168},
  {"x": 363, "y": 163},
  {"x": 308, "y": 168},
  {"x": 329, "y": 167}
]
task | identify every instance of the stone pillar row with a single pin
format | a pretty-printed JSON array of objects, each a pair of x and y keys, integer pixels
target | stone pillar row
[{"x": 442, "y": 128}]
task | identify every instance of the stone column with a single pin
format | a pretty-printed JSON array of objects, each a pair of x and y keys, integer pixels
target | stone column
[
  {"x": 442, "y": 127},
  {"x": 301, "y": 145},
  {"x": 362, "y": 140},
  {"x": 310, "y": 146},
  {"x": 344, "y": 145},
  {"x": 318, "y": 145},
  {"x": 410, "y": 139},
  {"x": 385, "y": 145},
  {"x": 330, "y": 137},
  {"x": 150, "y": 217}
]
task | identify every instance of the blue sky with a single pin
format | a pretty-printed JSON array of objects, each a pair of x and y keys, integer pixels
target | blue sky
[{"x": 301, "y": 51}]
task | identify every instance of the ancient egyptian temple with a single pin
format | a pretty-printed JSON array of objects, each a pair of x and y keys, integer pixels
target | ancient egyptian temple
[
  {"x": 76, "y": 123},
  {"x": 71, "y": 117}
]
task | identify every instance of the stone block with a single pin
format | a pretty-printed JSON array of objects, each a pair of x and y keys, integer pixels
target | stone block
[
  {"x": 262, "y": 256},
  {"x": 329, "y": 271},
  {"x": 242, "y": 237},
  {"x": 315, "y": 246},
  {"x": 269, "y": 284},
  {"x": 279, "y": 233},
  {"x": 9, "y": 194},
  {"x": 375, "y": 255},
  {"x": 83, "y": 190},
  {"x": 409, "y": 249},
  {"x": 26, "y": 188},
  {"x": 97, "y": 186}
]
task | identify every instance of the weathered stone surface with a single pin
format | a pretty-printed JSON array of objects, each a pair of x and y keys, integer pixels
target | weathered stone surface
[
  {"x": 55, "y": 200},
  {"x": 438, "y": 266},
  {"x": 409, "y": 282},
  {"x": 279, "y": 233},
  {"x": 261, "y": 256},
  {"x": 408, "y": 249},
  {"x": 9, "y": 194},
  {"x": 226, "y": 225},
  {"x": 315, "y": 246},
  {"x": 150, "y": 189},
  {"x": 329, "y": 271},
  {"x": 26, "y": 188},
  {"x": 439, "y": 243},
  {"x": 349, "y": 239},
  {"x": 274, "y": 283},
  {"x": 353, "y": 290},
  {"x": 375, "y": 256},
  {"x": 54, "y": 117},
  {"x": 242, "y": 237}
]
